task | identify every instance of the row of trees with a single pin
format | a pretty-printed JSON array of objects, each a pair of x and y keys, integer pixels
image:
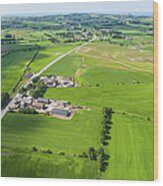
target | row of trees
[
  {"x": 100, "y": 156},
  {"x": 106, "y": 125}
]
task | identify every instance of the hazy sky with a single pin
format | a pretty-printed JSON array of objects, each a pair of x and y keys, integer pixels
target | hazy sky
[{"x": 143, "y": 7}]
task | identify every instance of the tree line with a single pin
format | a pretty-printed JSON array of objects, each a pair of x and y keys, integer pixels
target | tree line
[{"x": 99, "y": 155}]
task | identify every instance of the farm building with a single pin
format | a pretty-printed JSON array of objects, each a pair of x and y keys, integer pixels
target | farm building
[
  {"x": 53, "y": 78},
  {"x": 43, "y": 100},
  {"x": 22, "y": 105},
  {"x": 27, "y": 100},
  {"x": 61, "y": 112},
  {"x": 60, "y": 103},
  {"x": 51, "y": 83},
  {"x": 44, "y": 79},
  {"x": 38, "y": 105},
  {"x": 57, "y": 81},
  {"x": 68, "y": 84},
  {"x": 17, "y": 100},
  {"x": 15, "y": 106}
]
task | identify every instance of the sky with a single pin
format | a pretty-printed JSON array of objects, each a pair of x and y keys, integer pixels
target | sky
[{"x": 143, "y": 7}]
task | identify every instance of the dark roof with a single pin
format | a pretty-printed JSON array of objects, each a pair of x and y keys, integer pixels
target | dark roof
[{"x": 61, "y": 112}]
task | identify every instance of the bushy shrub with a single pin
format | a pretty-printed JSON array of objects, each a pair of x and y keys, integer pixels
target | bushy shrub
[
  {"x": 35, "y": 149},
  {"x": 61, "y": 153},
  {"x": 28, "y": 110}
]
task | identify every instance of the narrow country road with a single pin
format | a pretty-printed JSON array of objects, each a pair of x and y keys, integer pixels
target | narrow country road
[{"x": 6, "y": 109}]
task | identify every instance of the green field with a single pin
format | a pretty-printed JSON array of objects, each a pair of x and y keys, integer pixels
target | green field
[
  {"x": 13, "y": 66},
  {"x": 40, "y": 165},
  {"x": 115, "y": 73},
  {"x": 51, "y": 133},
  {"x": 56, "y": 135},
  {"x": 48, "y": 55},
  {"x": 71, "y": 62},
  {"x": 131, "y": 149}
]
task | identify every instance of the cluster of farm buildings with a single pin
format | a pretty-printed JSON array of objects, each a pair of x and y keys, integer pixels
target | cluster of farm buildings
[
  {"x": 42, "y": 105},
  {"x": 54, "y": 81},
  {"x": 57, "y": 81}
]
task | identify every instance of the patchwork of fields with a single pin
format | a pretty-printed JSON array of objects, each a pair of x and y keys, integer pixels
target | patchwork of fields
[
  {"x": 14, "y": 63},
  {"x": 106, "y": 75}
]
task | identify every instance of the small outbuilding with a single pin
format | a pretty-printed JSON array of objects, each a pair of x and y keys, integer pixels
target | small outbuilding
[
  {"x": 43, "y": 100},
  {"x": 61, "y": 112},
  {"x": 38, "y": 105},
  {"x": 27, "y": 100}
]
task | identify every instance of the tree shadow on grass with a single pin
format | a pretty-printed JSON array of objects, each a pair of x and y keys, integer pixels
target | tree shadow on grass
[
  {"x": 104, "y": 166},
  {"x": 107, "y": 137},
  {"x": 105, "y": 143},
  {"x": 105, "y": 162},
  {"x": 106, "y": 157}
]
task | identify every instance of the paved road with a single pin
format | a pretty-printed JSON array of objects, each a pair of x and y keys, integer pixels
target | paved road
[{"x": 6, "y": 109}]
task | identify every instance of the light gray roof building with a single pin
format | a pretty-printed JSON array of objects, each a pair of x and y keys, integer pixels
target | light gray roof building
[
  {"x": 43, "y": 100},
  {"x": 38, "y": 105},
  {"x": 61, "y": 112}
]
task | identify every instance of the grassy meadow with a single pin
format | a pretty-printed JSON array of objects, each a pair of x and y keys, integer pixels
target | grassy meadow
[
  {"x": 50, "y": 133},
  {"x": 40, "y": 165},
  {"x": 13, "y": 66},
  {"x": 46, "y": 56}
]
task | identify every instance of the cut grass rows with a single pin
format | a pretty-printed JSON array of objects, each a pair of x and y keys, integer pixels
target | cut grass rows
[{"x": 50, "y": 133}]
